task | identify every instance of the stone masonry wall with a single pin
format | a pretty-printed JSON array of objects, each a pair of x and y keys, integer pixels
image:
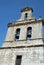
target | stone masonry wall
[{"x": 30, "y": 56}]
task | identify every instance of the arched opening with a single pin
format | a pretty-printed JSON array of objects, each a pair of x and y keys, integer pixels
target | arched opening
[
  {"x": 26, "y": 15},
  {"x": 29, "y": 33},
  {"x": 17, "y": 34}
]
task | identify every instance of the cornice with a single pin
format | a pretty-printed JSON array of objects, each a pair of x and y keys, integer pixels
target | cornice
[
  {"x": 27, "y": 9},
  {"x": 25, "y": 23},
  {"x": 22, "y": 47},
  {"x": 25, "y": 40}
]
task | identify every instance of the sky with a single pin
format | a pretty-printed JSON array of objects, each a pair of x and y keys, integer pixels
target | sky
[{"x": 10, "y": 10}]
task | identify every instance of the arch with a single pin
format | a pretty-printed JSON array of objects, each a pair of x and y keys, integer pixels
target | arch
[
  {"x": 29, "y": 33},
  {"x": 26, "y": 15},
  {"x": 18, "y": 31},
  {"x": 17, "y": 34}
]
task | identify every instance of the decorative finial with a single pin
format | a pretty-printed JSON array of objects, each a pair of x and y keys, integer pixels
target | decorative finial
[{"x": 40, "y": 17}]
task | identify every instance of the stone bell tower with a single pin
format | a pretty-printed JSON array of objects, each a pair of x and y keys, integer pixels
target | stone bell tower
[{"x": 23, "y": 44}]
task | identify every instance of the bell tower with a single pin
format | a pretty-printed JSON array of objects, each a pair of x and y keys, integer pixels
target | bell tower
[
  {"x": 24, "y": 40},
  {"x": 27, "y": 28},
  {"x": 26, "y": 14}
]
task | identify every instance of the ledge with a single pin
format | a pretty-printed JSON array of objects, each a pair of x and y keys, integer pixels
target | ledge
[
  {"x": 22, "y": 47},
  {"x": 25, "y": 23},
  {"x": 26, "y": 40}
]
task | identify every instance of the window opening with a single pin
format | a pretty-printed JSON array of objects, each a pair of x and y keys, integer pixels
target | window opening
[
  {"x": 26, "y": 15},
  {"x": 18, "y": 60},
  {"x": 29, "y": 33},
  {"x": 17, "y": 34}
]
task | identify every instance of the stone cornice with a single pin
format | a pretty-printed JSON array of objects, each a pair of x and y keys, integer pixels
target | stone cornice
[
  {"x": 22, "y": 47},
  {"x": 26, "y": 9},
  {"x": 25, "y": 23},
  {"x": 8, "y": 41},
  {"x": 25, "y": 40}
]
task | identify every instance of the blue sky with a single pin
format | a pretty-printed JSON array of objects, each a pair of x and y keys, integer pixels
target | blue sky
[{"x": 10, "y": 9}]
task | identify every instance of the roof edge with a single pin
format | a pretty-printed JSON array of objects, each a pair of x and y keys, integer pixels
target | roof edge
[{"x": 27, "y": 9}]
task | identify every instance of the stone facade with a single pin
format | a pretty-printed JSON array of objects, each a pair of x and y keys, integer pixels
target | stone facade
[
  {"x": 31, "y": 55},
  {"x": 32, "y": 51}
]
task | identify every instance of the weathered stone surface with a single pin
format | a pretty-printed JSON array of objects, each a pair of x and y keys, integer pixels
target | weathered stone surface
[
  {"x": 32, "y": 50},
  {"x": 32, "y": 55}
]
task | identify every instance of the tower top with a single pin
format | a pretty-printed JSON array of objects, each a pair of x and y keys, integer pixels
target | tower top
[{"x": 27, "y": 9}]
